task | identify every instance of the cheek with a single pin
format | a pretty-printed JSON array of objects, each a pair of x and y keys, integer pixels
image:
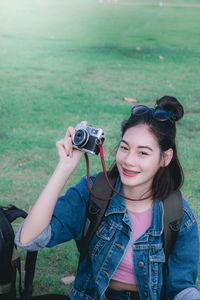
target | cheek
[
  {"x": 119, "y": 157},
  {"x": 152, "y": 165}
]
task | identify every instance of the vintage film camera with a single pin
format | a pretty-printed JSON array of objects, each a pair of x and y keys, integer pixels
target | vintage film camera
[{"x": 87, "y": 138}]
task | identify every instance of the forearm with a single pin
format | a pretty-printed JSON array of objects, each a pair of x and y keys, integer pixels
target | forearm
[{"x": 41, "y": 213}]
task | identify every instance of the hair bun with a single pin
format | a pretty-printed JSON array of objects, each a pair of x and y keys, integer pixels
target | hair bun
[{"x": 170, "y": 103}]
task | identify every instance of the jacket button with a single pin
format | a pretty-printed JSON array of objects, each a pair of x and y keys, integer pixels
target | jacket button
[
  {"x": 141, "y": 264},
  {"x": 145, "y": 294}
]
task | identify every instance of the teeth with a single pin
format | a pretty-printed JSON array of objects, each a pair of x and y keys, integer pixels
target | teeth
[{"x": 130, "y": 172}]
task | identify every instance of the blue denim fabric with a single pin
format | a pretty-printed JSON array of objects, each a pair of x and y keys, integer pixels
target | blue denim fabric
[
  {"x": 111, "y": 241},
  {"x": 189, "y": 293}
]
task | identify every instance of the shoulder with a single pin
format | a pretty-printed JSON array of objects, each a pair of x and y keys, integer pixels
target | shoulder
[
  {"x": 82, "y": 185},
  {"x": 188, "y": 218},
  {"x": 76, "y": 195}
]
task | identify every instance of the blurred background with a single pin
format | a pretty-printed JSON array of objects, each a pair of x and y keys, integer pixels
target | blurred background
[{"x": 63, "y": 61}]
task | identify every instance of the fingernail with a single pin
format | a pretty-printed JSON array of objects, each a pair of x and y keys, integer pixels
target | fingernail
[{"x": 70, "y": 154}]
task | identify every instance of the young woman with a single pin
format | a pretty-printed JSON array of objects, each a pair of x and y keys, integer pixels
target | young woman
[{"x": 125, "y": 257}]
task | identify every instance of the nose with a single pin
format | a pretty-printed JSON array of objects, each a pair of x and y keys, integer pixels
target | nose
[{"x": 130, "y": 159}]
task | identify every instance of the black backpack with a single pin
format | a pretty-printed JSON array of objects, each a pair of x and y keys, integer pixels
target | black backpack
[
  {"x": 9, "y": 258},
  {"x": 10, "y": 264}
]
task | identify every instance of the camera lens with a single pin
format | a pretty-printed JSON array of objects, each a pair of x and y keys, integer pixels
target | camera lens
[{"x": 80, "y": 138}]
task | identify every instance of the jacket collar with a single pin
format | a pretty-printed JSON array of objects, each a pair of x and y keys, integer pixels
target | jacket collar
[
  {"x": 117, "y": 206},
  {"x": 117, "y": 203},
  {"x": 156, "y": 228}
]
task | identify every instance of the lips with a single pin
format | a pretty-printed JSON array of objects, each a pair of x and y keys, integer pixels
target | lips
[{"x": 129, "y": 173}]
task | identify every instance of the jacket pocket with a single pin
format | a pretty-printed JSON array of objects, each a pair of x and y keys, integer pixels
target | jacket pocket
[
  {"x": 156, "y": 260},
  {"x": 102, "y": 237}
]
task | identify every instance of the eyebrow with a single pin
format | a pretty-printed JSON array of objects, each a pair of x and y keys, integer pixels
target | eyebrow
[{"x": 140, "y": 147}]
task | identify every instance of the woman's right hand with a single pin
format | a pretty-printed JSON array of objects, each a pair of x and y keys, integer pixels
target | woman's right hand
[{"x": 66, "y": 153}]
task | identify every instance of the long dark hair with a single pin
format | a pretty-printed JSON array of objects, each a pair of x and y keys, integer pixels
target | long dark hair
[{"x": 169, "y": 178}]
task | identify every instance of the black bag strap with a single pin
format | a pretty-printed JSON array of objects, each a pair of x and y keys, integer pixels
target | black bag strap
[
  {"x": 173, "y": 210},
  {"x": 95, "y": 211},
  {"x": 31, "y": 258},
  {"x": 12, "y": 212}
]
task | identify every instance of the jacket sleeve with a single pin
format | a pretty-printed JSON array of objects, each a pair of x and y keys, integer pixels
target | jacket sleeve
[
  {"x": 69, "y": 214},
  {"x": 67, "y": 220},
  {"x": 183, "y": 262},
  {"x": 189, "y": 293},
  {"x": 38, "y": 243}
]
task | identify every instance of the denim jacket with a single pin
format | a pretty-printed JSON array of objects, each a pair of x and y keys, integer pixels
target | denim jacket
[{"x": 111, "y": 241}]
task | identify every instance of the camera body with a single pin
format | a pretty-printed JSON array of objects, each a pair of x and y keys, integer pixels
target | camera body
[{"x": 86, "y": 138}]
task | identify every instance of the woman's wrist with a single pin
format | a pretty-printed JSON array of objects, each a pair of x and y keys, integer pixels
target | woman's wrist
[{"x": 65, "y": 168}]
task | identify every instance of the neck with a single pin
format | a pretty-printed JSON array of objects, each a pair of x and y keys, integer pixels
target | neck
[
  {"x": 137, "y": 193},
  {"x": 139, "y": 205}
]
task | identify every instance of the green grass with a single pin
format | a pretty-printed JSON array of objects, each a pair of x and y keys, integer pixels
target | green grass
[{"x": 66, "y": 61}]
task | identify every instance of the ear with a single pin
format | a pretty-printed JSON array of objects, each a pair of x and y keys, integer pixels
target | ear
[{"x": 167, "y": 157}]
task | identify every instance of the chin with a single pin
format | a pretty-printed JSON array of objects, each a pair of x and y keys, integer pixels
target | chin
[{"x": 126, "y": 180}]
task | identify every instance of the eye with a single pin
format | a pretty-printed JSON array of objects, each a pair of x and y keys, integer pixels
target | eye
[
  {"x": 122, "y": 147},
  {"x": 144, "y": 153}
]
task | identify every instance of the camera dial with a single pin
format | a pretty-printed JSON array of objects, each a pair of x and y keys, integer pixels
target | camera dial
[{"x": 80, "y": 138}]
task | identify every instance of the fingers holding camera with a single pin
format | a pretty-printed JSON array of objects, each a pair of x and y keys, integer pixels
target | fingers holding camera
[
  {"x": 70, "y": 132},
  {"x": 69, "y": 136},
  {"x": 84, "y": 122},
  {"x": 65, "y": 148},
  {"x": 68, "y": 140}
]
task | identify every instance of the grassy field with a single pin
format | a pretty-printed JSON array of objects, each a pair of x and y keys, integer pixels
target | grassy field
[{"x": 63, "y": 61}]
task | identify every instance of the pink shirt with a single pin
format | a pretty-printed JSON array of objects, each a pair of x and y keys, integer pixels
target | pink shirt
[{"x": 140, "y": 222}]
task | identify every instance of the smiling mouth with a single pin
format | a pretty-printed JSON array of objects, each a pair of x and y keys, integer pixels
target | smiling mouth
[{"x": 129, "y": 173}]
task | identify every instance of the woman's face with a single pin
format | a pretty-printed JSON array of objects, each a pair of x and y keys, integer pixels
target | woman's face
[{"x": 138, "y": 159}]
